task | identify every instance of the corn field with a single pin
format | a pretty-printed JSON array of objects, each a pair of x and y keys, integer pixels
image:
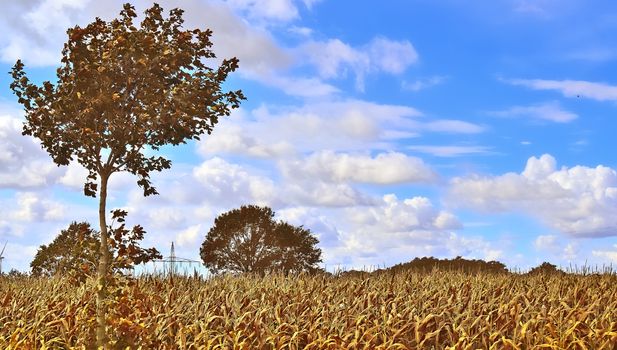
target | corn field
[{"x": 434, "y": 310}]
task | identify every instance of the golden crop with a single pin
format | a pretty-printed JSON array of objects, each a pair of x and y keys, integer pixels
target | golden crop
[{"x": 436, "y": 310}]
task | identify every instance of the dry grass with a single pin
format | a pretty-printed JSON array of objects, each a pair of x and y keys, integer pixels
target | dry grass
[{"x": 405, "y": 311}]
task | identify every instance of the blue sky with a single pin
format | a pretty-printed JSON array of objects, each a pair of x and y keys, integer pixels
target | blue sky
[{"x": 392, "y": 130}]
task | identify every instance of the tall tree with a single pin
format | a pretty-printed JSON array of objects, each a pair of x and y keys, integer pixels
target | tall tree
[
  {"x": 123, "y": 90},
  {"x": 249, "y": 240}
]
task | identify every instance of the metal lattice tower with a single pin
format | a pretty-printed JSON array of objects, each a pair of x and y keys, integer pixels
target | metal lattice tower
[{"x": 173, "y": 262}]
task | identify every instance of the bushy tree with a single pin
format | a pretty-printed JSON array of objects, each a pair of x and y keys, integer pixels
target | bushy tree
[
  {"x": 74, "y": 250},
  {"x": 124, "y": 89},
  {"x": 249, "y": 240},
  {"x": 546, "y": 268},
  {"x": 297, "y": 249}
]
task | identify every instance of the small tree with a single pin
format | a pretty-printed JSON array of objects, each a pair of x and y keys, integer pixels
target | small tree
[
  {"x": 74, "y": 251},
  {"x": 249, "y": 240},
  {"x": 545, "y": 268},
  {"x": 123, "y": 90}
]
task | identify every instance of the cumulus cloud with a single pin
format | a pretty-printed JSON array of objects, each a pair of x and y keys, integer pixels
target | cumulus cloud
[
  {"x": 571, "y": 88},
  {"x": 610, "y": 255},
  {"x": 23, "y": 164},
  {"x": 227, "y": 182},
  {"x": 324, "y": 194},
  {"x": 384, "y": 168},
  {"x": 342, "y": 126},
  {"x": 550, "y": 111},
  {"x": 200, "y": 191},
  {"x": 393, "y": 215},
  {"x": 578, "y": 201},
  {"x": 334, "y": 58},
  {"x": 393, "y": 231},
  {"x": 18, "y": 256},
  {"x": 190, "y": 236},
  {"x": 35, "y": 31},
  {"x": 546, "y": 242},
  {"x": 34, "y": 207},
  {"x": 388, "y": 231},
  {"x": 31, "y": 207}
]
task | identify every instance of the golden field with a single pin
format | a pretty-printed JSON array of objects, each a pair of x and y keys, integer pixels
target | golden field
[{"x": 433, "y": 310}]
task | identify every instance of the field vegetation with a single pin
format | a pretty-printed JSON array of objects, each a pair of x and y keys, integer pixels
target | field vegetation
[{"x": 389, "y": 309}]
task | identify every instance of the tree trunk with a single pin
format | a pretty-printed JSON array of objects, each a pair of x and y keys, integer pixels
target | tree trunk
[{"x": 101, "y": 293}]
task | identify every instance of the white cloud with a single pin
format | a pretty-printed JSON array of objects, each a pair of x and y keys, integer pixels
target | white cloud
[
  {"x": 391, "y": 56},
  {"x": 36, "y": 30},
  {"x": 318, "y": 193},
  {"x": 298, "y": 86},
  {"x": 230, "y": 183},
  {"x": 384, "y": 168},
  {"x": 300, "y": 31},
  {"x": 393, "y": 231},
  {"x": 32, "y": 207},
  {"x": 570, "y": 252},
  {"x": 610, "y": 255},
  {"x": 334, "y": 58},
  {"x": 18, "y": 256},
  {"x": 23, "y": 164},
  {"x": 339, "y": 126},
  {"x": 450, "y": 151},
  {"x": 281, "y": 10},
  {"x": 593, "y": 54},
  {"x": 190, "y": 236},
  {"x": 343, "y": 126},
  {"x": 388, "y": 231},
  {"x": 453, "y": 126},
  {"x": 393, "y": 215},
  {"x": 331, "y": 57},
  {"x": 571, "y": 88},
  {"x": 550, "y": 111},
  {"x": 546, "y": 242},
  {"x": 578, "y": 201},
  {"x": 309, "y": 3},
  {"x": 422, "y": 84}
]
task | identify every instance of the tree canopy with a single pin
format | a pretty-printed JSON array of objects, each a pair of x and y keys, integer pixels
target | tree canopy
[
  {"x": 249, "y": 240},
  {"x": 123, "y": 89}
]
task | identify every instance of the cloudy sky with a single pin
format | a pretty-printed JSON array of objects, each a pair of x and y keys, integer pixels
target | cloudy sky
[{"x": 391, "y": 130}]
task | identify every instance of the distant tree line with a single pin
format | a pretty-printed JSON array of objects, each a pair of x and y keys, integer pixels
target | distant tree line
[{"x": 243, "y": 240}]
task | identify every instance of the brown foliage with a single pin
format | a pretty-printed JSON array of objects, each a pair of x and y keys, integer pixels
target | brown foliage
[
  {"x": 121, "y": 90},
  {"x": 249, "y": 240},
  {"x": 75, "y": 251}
]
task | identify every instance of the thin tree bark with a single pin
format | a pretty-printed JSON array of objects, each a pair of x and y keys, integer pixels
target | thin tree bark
[{"x": 101, "y": 293}]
